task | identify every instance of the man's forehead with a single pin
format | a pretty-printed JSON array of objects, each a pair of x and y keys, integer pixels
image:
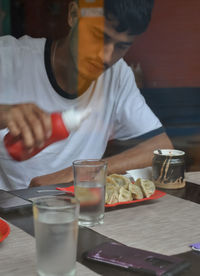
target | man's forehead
[{"x": 109, "y": 27}]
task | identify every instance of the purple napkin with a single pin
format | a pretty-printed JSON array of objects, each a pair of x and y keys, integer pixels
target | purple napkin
[{"x": 195, "y": 246}]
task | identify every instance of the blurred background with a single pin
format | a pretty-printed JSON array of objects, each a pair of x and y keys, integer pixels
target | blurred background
[{"x": 165, "y": 59}]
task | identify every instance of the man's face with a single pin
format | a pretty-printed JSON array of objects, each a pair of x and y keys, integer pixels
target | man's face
[{"x": 98, "y": 47}]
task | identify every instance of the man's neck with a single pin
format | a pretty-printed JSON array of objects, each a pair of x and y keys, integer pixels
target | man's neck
[{"x": 64, "y": 69}]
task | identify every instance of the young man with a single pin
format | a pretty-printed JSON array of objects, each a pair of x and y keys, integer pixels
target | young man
[{"x": 83, "y": 70}]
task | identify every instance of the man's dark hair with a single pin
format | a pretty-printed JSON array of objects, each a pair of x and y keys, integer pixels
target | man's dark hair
[{"x": 133, "y": 15}]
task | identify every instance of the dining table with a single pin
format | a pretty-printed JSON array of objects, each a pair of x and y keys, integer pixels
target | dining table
[{"x": 167, "y": 225}]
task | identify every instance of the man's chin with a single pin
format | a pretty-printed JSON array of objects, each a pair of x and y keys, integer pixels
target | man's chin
[{"x": 89, "y": 76}]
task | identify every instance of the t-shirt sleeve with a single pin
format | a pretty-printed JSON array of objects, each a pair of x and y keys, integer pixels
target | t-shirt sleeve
[{"x": 133, "y": 117}]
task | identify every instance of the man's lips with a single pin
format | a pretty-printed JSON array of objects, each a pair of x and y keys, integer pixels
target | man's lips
[{"x": 96, "y": 66}]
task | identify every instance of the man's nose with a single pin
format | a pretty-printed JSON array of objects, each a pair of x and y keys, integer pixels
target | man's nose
[{"x": 106, "y": 53}]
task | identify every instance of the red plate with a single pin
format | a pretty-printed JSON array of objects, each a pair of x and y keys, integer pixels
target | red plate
[
  {"x": 4, "y": 230},
  {"x": 156, "y": 195}
]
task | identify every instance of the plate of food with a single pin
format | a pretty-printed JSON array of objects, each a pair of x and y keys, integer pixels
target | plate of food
[
  {"x": 4, "y": 230},
  {"x": 121, "y": 190}
]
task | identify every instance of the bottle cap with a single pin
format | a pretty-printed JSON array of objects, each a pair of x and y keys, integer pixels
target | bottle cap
[{"x": 73, "y": 118}]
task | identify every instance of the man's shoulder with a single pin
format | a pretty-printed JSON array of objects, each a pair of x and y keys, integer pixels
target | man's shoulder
[
  {"x": 120, "y": 70},
  {"x": 25, "y": 41},
  {"x": 120, "y": 65},
  {"x": 7, "y": 40},
  {"x": 121, "y": 74},
  {"x": 29, "y": 41}
]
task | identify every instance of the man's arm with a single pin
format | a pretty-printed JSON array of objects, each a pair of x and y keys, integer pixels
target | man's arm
[{"x": 139, "y": 156}]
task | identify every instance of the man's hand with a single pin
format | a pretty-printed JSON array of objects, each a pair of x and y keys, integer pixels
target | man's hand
[
  {"x": 63, "y": 176},
  {"x": 28, "y": 121}
]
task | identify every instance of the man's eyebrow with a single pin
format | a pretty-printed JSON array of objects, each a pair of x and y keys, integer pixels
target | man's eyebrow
[
  {"x": 125, "y": 43},
  {"x": 119, "y": 42},
  {"x": 102, "y": 32}
]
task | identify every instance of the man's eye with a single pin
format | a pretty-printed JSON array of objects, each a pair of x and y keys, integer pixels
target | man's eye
[
  {"x": 97, "y": 34},
  {"x": 121, "y": 46},
  {"x": 106, "y": 38}
]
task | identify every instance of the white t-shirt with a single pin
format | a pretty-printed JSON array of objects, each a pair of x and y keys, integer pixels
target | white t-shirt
[{"x": 118, "y": 109}]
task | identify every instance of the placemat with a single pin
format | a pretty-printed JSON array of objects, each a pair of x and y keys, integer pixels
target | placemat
[
  {"x": 167, "y": 225},
  {"x": 17, "y": 255},
  {"x": 193, "y": 177}
]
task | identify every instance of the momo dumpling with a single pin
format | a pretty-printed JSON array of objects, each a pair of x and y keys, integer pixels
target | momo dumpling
[
  {"x": 121, "y": 180},
  {"x": 112, "y": 198},
  {"x": 109, "y": 180},
  {"x": 147, "y": 186},
  {"x": 124, "y": 195},
  {"x": 111, "y": 183},
  {"x": 136, "y": 191},
  {"x": 111, "y": 194}
]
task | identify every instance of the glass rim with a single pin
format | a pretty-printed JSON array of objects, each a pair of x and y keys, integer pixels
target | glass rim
[
  {"x": 73, "y": 202},
  {"x": 89, "y": 163}
]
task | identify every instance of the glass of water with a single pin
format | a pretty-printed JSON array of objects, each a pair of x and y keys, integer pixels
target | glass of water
[
  {"x": 56, "y": 231},
  {"x": 89, "y": 186}
]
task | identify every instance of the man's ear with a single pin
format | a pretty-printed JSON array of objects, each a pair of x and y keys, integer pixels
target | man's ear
[{"x": 73, "y": 12}]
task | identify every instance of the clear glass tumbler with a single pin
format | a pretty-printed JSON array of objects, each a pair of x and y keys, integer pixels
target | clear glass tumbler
[
  {"x": 56, "y": 231},
  {"x": 89, "y": 187}
]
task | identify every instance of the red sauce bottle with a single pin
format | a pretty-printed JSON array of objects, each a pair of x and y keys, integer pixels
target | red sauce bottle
[{"x": 62, "y": 124}]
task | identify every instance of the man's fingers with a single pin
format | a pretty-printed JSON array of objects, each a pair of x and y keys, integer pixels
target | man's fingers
[
  {"x": 14, "y": 129},
  {"x": 37, "y": 129},
  {"x": 26, "y": 133},
  {"x": 45, "y": 119}
]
